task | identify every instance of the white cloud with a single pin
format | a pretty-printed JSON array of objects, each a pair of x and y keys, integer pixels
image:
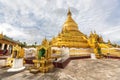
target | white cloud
[
  {"x": 112, "y": 34},
  {"x": 36, "y": 19},
  {"x": 10, "y": 30},
  {"x": 111, "y": 30}
]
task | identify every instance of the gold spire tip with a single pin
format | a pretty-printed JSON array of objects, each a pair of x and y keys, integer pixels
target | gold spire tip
[{"x": 69, "y": 12}]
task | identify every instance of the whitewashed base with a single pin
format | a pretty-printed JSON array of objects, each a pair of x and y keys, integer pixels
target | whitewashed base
[
  {"x": 17, "y": 65},
  {"x": 15, "y": 70},
  {"x": 93, "y": 56}
]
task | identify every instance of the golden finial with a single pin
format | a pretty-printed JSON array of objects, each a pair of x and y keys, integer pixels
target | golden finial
[
  {"x": 69, "y": 12},
  {"x": 91, "y": 32},
  {"x": 109, "y": 41},
  {"x": 101, "y": 36},
  {"x": 94, "y": 31},
  {"x": 45, "y": 38},
  {"x": 1, "y": 33}
]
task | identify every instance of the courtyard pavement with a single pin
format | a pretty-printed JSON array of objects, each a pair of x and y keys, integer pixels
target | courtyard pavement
[{"x": 81, "y": 69}]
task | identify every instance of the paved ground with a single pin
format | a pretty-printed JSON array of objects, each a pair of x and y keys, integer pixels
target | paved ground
[{"x": 82, "y": 69}]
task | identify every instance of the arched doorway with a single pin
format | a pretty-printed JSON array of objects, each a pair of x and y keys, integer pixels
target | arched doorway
[
  {"x": 41, "y": 53},
  {"x": 5, "y": 47}
]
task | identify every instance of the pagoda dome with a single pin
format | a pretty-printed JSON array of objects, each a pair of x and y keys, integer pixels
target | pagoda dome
[{"x": 70, "y": 24}]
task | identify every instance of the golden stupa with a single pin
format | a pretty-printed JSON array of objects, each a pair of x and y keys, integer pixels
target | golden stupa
[
  {"x": 70, "y": 35},
  {"x": 79, "y": 43}
]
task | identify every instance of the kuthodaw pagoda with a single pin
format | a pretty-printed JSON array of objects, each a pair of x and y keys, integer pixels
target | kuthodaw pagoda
[
  {"x": 70, "y": 44},
  {"x": 78, "y": 43},
  {"x": 72, "y": 37}
]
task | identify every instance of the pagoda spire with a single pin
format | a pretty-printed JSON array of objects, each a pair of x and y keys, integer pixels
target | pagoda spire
[
  {"x": 94, "y": 32},
  {"x": 69, "y": 12},
  {"x": 2, "y": 33},
  {"x": 91, "y": 32},
  {"x": 69, "y": 24}
]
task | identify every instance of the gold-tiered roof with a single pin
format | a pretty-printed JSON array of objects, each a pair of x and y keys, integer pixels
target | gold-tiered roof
[
  {"x": 5, "y": 39},
  {"x": 70, "y": 35},
  {"x": 70, "y": 24}
]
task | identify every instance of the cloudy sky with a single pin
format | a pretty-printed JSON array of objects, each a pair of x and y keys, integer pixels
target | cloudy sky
[{"x": 32, "y": 20}]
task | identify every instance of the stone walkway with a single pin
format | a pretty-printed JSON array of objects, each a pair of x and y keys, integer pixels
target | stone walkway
[{"x": 82, "y": 69}]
